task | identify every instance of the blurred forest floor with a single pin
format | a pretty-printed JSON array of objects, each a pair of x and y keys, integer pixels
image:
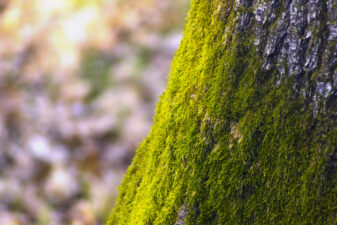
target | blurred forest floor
[{"x": 79, "y": 80}]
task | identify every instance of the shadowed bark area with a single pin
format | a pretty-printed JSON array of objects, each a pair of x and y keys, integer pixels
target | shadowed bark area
[{"x": 246, "y": 131}]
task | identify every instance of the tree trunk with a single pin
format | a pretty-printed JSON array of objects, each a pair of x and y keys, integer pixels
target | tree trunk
[{"x": 246, "y": 131}]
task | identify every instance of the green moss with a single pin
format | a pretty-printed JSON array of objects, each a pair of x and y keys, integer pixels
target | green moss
[{"x": 227, "y": 145}]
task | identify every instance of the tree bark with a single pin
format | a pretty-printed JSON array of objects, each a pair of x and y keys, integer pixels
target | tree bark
[{"x": 246, "y": 131}]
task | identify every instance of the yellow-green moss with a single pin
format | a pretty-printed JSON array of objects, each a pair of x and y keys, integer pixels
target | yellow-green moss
[{"x": 273, "y": 170}]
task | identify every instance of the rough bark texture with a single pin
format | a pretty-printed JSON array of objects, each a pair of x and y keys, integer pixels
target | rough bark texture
[{"x": 246, "y": 131}]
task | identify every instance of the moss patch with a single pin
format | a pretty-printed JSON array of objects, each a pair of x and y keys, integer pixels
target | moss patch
[{"x": 227, "y": 145}]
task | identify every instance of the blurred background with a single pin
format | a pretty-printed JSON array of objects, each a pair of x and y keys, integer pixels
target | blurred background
[{"x": 79, "y": 80}]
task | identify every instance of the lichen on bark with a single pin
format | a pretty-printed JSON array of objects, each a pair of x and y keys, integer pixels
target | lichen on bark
[{"x": 245, "y": 132}]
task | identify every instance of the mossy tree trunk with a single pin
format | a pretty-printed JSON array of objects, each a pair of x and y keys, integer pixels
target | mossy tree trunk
[{"x": 246, "y": 131}]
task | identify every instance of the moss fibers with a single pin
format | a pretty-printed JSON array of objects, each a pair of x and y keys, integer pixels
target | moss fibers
[{"x": 228, "y": 146}]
